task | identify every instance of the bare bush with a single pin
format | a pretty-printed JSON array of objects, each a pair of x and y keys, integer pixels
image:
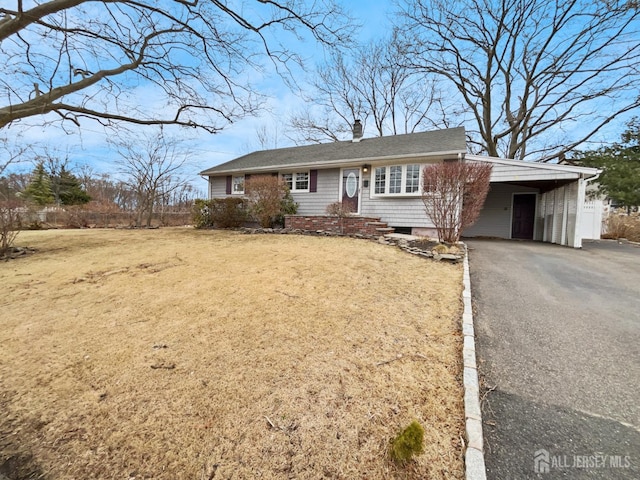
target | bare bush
[
  {"x": 340, "y": 210},
  {"x": 453, "y": 195},
  {"x": 269, "y": 199},
  {"x": 623, "y": 226},
  {"x": 10, "y": 224}
]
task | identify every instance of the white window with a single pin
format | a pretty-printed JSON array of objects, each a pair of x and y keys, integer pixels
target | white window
[
  {"x": 412, "y": 180},
  {"x": 297, "y": 182},
  {"x": 397, "y": 180},
  {"x": 380, "y": 180},
  {"x": 238, "y": 184}
]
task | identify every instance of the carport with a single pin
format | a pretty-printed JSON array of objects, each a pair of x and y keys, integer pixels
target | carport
[{"x": 533, "y": 201}]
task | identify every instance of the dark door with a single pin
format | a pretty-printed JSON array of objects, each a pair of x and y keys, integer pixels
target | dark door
[
  {"x": 350, "y": 189},
  {"x": 524, "y": 214}
]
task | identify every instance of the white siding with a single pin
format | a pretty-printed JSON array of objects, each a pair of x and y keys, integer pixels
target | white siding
[
  {"x": 558, "y": 214},
  {"x": 495, "y": 217},
  {"x": 522, "y": 173},
  {"x": 558, "y": 217}
]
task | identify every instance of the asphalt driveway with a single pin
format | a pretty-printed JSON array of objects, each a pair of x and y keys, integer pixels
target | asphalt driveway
[{"x": 558, "y": 344}]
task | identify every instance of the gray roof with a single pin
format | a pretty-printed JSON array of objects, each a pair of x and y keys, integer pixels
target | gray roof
[{"x": 448, "y": 141}]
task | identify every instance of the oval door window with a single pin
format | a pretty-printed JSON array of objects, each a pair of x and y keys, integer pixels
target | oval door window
[{"x": 351, "y": 184}]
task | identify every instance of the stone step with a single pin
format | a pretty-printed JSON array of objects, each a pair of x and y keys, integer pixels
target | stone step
[
  {"x": 385, "y": 230},
  {"x": 377, "y": 224}
]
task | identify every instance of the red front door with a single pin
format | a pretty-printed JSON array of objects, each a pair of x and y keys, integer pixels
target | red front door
[{"x": 350, "y": 189}]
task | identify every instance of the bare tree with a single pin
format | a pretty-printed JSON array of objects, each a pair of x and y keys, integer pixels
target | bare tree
[
  {"x": 371, "y": 83},
  {"x": 152, "y": 166},
  {"x": 537, "y": 78},
  {"x": 10, "y": 204},
  {"x": 10, "y": 153},
  {"x": 453, "y": 194},
  {"x": 85, "y": 59}
]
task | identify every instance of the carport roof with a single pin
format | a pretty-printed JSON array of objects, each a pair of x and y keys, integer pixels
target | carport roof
[{"x": 533, "y": 171}]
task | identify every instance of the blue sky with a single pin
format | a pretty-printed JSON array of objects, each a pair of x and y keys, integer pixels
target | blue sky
[{"x": 89, "y": 146}]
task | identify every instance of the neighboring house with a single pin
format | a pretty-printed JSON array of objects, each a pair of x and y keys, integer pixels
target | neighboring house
[{"x": 381, "y": 177}]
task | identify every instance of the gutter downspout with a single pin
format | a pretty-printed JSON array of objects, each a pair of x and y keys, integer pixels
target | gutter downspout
[{"x": 208, "y": 180}]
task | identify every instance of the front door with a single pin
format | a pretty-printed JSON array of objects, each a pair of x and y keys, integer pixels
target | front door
[
  {"x": 350, "y": 189},
  {"x": 524, "y": 215}
]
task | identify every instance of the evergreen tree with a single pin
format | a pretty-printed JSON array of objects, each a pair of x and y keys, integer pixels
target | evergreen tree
[
  {"x": 69, "y": 191},
  {"x": 39, "y": 189},
  {"x": 620, "y": 162}
]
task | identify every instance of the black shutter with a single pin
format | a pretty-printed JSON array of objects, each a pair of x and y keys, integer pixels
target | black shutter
[
  {"x": 229, "y": 180},
  {"x": 313, "y": 180}
]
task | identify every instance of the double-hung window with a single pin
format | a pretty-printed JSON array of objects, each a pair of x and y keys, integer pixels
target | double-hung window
[
  {"x": 238, "y": 184},
  {"x": 397, "y": 180},
  {"x": 297, "y": 182}
]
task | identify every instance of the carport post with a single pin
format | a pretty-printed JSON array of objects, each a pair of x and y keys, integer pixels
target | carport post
[{"x": 577, "y": 234}]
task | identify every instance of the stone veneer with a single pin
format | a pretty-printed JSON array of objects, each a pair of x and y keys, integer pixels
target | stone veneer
[{"x": 345, "y": 225}]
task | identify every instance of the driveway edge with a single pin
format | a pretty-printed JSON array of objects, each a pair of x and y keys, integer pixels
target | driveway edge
[{"x": 474, "y": 454}]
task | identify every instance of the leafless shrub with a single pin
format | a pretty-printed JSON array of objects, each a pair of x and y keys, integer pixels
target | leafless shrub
[
  {"x": 10, "y": 224},
  {"x": 268, "y": 199},
  {"x": 340, "y": 210},
  {"x": 453, "y": 195},
  {"x": 623, "y": 226}
]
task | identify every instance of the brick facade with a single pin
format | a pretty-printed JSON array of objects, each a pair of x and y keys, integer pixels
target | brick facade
[{"x": 350, "y": 225}]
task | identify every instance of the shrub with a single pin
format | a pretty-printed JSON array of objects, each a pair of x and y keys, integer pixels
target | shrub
[
  {"x": 229, "y": 212},
  {"x": 10, "y": 224},
  {"x": 76, "y": 216},
  {"x": 288, "y": 206},
  {"x": 623, "y": 226},
  {"x": 450, "y": 186},
  {"x": 201, "y": 213},
  {"x": 268, "y": 197},
  {"x": 408, "y": 443},
  {"x": 338, "y": 209}
]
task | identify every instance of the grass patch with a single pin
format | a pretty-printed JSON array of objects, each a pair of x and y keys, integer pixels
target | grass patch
[{"x": 178, "y": 353}]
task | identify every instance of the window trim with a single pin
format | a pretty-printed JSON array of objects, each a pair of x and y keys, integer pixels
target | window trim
[
  {"x": 403, "y": 181},
  {"x": 294, "y": 180},
  {"x": 233, "y": 185}
]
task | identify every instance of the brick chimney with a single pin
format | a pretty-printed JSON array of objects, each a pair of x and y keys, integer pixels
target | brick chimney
[{"x": 357, "y": 131}]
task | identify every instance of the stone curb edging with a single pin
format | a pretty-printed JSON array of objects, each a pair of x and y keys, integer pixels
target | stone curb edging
[{"x": 474, "y": 455}]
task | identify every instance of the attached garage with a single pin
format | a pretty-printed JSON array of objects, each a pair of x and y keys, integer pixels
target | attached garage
[{"x": 533, "y": 201}]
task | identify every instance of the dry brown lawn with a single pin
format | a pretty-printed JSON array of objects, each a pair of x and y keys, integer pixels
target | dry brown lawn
[{"x": 185, "y": 354}]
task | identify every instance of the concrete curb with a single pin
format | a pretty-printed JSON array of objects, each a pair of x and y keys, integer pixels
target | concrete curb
[{"x": 474, "y": 455}]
